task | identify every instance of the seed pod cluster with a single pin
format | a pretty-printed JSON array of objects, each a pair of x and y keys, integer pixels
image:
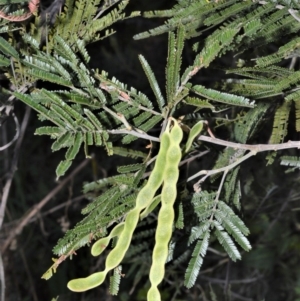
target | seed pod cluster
[{"x": 165, "y": 172}]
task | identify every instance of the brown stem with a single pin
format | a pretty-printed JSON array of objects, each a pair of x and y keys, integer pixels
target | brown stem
[{"x": 18, "y": 229}]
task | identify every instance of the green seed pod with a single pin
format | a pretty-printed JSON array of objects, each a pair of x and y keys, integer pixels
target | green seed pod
[
  {"x": 166, "y": 214},
  {"x": 194, "y": 132},
  {"x": 156, "y": 178}
]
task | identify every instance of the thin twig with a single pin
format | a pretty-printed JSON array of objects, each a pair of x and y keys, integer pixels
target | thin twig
[
  {"x": 270, "y": 227},
  {"x": 294, "y": 14},
  {"x": 189, "y": 76},
  {"x": 45, "y": 213},
  {"x": 134, "y": 133},
  {"x": 238, "y": 281},
  {"x": 210, "y": 270},
  {"x": 293, "y": 62},
  {"x": 27, "y": 269},
  {"x": 192, "y": 158},
  {"x": 227, "y": 279},
  {"x": 14, "y": 164},
  {"x": 216, "y": 200},
  {"x": 220, "y": 189},
  {"x": 2, "y": 280},
  {"x": 240, "y": 297},
  {"x": 18, "y": 229},
  {"x": 209, "y": 173},
  {"x": 123, "y": 96},
  {"x": 16, "y": 135},
  {"x": 20, "y": 135},
  {"x": 119, "y": 117},
  {"x": 261, "y": 203},
  {"x": 256, "y": 147}
]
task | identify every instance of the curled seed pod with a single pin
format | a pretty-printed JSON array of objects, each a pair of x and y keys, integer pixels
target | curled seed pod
[
  {"x": 100, "y": 245},
  {"x": 166, "y": 214},
  {"x": 83, "y": 284},
  {"x": 113, "y": 259}
]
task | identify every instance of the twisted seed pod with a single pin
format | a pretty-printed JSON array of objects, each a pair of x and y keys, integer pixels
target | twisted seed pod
[
  {"x": 166, "y": 213},
  {"x": 143, "y": 200}
]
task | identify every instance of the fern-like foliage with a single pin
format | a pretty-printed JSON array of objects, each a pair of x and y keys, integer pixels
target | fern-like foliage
[
  {"x": 243, "y": 25},
  {"x": 76, "y": 110},
  {"x": 217, "y": 217},
  {"x": 83, "y": 22}
]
